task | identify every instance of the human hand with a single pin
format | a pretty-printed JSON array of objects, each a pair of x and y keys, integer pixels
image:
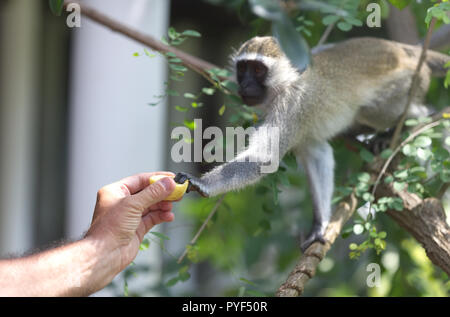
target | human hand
[{"x": 126, "y": 210}]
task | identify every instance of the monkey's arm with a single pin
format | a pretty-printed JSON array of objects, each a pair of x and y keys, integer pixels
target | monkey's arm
[{"x": 261, "y": 157}]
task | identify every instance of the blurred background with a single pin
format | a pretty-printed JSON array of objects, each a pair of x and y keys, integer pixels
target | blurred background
[{"x": 75, "y": 116}]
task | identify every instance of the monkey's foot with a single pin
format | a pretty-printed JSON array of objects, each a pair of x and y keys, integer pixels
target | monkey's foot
[
  {"x": 194, "y": 183},
  {"x": 380, "y": 142},
  {"x": 316, "y": 235}
]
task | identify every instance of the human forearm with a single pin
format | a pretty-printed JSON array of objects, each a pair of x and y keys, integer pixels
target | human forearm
[{"x": 77, "y": 269}]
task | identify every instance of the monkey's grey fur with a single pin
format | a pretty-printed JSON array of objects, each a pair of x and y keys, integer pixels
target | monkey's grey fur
[{"x": 361, "y": 81}]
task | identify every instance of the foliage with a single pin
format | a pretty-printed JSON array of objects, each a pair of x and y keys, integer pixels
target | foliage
[
  {"x": 252, "y": 237},
  {"x": 236, "y": 240},
  {"x": 56, "y": 6}
]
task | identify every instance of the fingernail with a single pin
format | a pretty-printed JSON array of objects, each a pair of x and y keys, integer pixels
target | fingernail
[{"x": 167, "y": 183}]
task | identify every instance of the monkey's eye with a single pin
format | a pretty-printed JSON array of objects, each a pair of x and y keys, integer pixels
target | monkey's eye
[{"x": 259, "y": 70}]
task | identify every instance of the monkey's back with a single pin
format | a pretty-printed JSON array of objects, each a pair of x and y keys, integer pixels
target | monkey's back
[{"x": 361, "y": 73}]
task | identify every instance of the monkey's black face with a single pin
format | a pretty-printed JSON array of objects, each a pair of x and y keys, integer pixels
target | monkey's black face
[{"x": 251, "y": 76}]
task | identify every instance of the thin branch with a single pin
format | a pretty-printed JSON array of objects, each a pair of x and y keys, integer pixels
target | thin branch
[
  {"x": 325, "y": 34},
  {"x": 425, "y": 221},
  {"x": 413, "y": 87},
  {"x": 196, "y": 64},
  {"x": 395, "y": 152},
  {"x": 307, "y": 264},
  {"x": 203, "y": 226}
]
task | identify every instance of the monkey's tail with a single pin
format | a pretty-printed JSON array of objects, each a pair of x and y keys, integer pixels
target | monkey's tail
[{"x": 437, "y": 61}]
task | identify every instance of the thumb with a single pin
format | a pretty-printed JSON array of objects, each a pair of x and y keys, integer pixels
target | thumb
[{"x": 154, "y": 193}]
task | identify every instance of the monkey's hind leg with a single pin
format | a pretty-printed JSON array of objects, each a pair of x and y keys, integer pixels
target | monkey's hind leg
[{"x": 318, "y": 162}]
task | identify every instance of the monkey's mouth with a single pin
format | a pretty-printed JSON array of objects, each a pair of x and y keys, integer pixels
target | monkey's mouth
[{"x": 252, "y": 100}]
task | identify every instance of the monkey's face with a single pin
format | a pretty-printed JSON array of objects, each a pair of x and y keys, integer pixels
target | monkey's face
[{"x": 251, "y": 76}]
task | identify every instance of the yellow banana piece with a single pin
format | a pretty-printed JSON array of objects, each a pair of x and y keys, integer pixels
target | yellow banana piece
[{"x": 179, "y": 190}]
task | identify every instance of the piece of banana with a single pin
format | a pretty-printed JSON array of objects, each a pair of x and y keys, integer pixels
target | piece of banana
[{"x": 179, "y": 190}]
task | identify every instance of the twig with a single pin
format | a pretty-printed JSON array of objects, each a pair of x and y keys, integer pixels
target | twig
[
  {"x": 442, "y": 191},
  {"x": 203, "y": 226},
  {"x": 196, "y": 64},
  {"x": 413, "y": 87},
  {"x": 398, "y": 148}
]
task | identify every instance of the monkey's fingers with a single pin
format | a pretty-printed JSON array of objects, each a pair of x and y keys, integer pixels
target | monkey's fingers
[
  {"x": 314, "y": 236},
  {"x": 180, "y": 178}
]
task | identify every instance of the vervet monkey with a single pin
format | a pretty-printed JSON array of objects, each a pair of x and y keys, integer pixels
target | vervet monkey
[{"x": 361, "y": 81}]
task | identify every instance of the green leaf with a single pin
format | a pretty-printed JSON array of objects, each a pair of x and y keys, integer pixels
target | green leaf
[
  {"x": 144, "y": 244},
  {"x": 184, "y": 276},
  {"x": 330, "y": 19},
  {"x": 292, "y": 43},
  {"x": 148, "y": 53},
  {"x": 172, "y": 33},
  {"x": 388, "y": 179},
  {"x": 438, "y": 11},
  {"x": 344, "y": 26},
  {"x": 136, "y": 54},
  {"x": 366, "y": 155},
  {"x": 423, "y": 154},
  {"x": 56, "y": 6},
  {"x": 178, "y": 68},
  {"x": 267, "y": 9},
  {"x": 346, "y": 232},
  {"x": 447, "y": 140},
  {"x": 358, "y": 229},
  {"x": 382, "y": 235},
  {"x": 364, "y": 177},
  {"x": 170, "y": 54},
  {"x": 422, "y": 141},
  {"x": 209, "y": 91},
  {"x": 160, "y": 235},
  {"x": 189, "y": 96},
  {"x": 353, "y": 246},
  {"x": 409, "y": 150},
  {"x": 222, "y": 110},
  {"x": 402, "y": 174},
  {"x": 400, "y": 4},
  {"x": 171, "y": 92},
  {"x": 445, "y": 176},
  {"x": 190, "y": 124},
  {"x": 397, "y": 204},
  {"x": 247, "y": 281},
  {"x": 411, "y": 122},
  {"x": 368, "y": 197},
  {"x": 172, "y": 281},
  {"x": 191, "y": 33},
  {"x": 399, "y": 186},
  {"x": 181, "y": 109},
  {"x": 175, "y": 60},
  {"x": 386, "y": 154},
  {"x": 353, "y": 21}
]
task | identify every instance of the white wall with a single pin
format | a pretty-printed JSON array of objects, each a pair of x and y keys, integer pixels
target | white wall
[
  {"x": 20, "y": 35},
  {"x": 113, "y": 132}
]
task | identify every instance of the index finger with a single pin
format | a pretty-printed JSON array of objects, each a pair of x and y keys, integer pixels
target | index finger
[{"x": 138, "y": 182}]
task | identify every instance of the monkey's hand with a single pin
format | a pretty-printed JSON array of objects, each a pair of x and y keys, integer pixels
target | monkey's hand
[
  {"x": 316, "y": 235},
  {"x": 195, "y": 183}
]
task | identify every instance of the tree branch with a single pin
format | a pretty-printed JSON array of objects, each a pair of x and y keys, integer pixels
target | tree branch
[
  {"x": 307, "y": 264},
  {"x": 203, "y": 226},
  {"x": 425, "y": 221},
  {"x": 413, "y": 88},
  {"x": 196, "y": 64}
]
